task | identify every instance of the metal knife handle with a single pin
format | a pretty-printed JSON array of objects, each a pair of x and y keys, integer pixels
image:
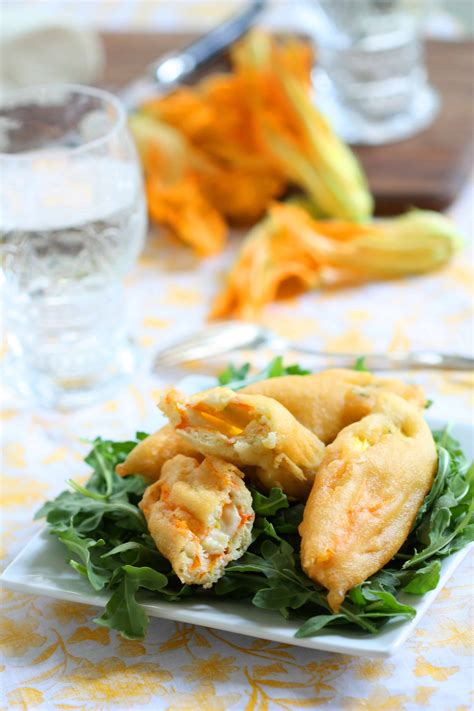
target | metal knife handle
[{"x": 176, "y": 66}]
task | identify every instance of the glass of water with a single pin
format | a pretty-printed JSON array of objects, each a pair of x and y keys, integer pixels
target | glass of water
[
  {"x": 371, "y": 78},
  {"x": 72, "y": 223}
]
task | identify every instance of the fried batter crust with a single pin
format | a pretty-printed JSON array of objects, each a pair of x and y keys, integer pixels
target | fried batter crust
[
  {"x": 148, "y": 457},
  {"x": 200, "y": 517},
  {"x": 250, "y": 431},
  {"x": 367, "y": 492},
  {"x": 332, "y": 399}
]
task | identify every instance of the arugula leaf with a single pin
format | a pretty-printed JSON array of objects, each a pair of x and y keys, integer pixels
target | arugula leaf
[
  {"x": 122, "y": 548},
  {"x": 107, "y": 500},
  {"x": 315, "y": 624},
  {"x": 123, "y": 612},
  {"x": 296, "y": 369},
  {"x": 236, "y": 378},
  {"x": 286, "y": 521},
  {"x": 146, "y": 577},
  {"x": 275, "y": 598},
  {"x": 238, "y": 585},
  {"x": 385, "y": 579},
  {"x": 102, "y": 454},
  {"x": 386, "y": 603},
  {"x": 360, "y": 365},
  {"x": 88, "y": 513},
  {"x": 462, "y": 539},
  {"x": 424, "y": 579},
  {"x": 262, "y": 526},
  {"x": 267, "y": 505},
  {"x": 81, "y": 548},
  {"x": 232, "y": 374},
  {"x": 142, "y": 552},
  {"x": 439, "y": 483},
  {"x": 276, "y": 368},
  {"x": 450, "y": 515}
]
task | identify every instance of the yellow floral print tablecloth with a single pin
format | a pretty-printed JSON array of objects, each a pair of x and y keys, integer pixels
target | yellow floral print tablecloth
[{"x": 54, "y": 656}]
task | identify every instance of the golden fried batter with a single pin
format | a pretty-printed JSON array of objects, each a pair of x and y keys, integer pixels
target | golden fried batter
[
  {"x": 151, "y": 453},
  {"x": 328, "y": 401},
  {"x": 366, "y": 495},
  {"x": 248, "y": 430},
  {"x": 200, "y": 517}
]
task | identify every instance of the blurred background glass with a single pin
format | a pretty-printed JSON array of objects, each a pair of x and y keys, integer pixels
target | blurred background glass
[
  {"x": 370, "y": 77},
  {"x": 72, "y": 222}
]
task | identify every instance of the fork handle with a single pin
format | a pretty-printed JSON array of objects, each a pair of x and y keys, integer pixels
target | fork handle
[{"x": 420, "y": 360}]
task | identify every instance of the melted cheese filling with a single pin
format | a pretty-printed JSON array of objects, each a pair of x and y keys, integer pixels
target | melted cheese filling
[
  {"x": 219, "y": 537},
  {"x": 360, "y": 444}
]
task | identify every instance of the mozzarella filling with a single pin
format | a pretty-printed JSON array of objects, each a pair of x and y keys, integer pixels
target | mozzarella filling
[{"x": 219, "y": 538}]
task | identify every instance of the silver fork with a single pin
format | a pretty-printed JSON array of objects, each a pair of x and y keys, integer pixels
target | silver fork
[{"x": 228, "y": 336}]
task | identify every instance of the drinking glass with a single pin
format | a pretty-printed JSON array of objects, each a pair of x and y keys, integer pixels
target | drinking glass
[
  {"x": 371, "y": 79},
  {"x": 72, "y": 223}
]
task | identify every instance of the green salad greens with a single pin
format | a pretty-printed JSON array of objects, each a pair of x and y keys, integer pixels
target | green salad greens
[
  {"x": 237, "y": 378},
  {"x": 108, "y": 543}
]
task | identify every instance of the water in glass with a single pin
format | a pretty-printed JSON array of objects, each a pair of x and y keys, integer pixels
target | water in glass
[{"x": 72, "y": 222}]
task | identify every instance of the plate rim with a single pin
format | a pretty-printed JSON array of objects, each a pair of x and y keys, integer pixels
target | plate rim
[{"x": 180, "y": 612}]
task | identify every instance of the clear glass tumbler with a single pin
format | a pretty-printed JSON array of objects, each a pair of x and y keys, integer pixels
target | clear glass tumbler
[
  {"x": 72, "y": 223},
  {"x": 370, "y": 78}
]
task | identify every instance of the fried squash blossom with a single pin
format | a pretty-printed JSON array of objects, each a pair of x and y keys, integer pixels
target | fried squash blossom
[
  {"x": 200, "y": 517},
  {"x": 368, "y": 490}
]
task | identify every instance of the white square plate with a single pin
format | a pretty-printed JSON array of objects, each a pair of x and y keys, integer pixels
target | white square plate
[{"x": 41, "y": 568}]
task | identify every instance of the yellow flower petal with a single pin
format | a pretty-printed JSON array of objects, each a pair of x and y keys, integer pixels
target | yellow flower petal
[
  {"x": 17, "y": 637},
  {"x": 424, "y": 668},
  {"x": 213, "y": 668},
  {"x": 25, "y": 698},
  {"x": 14, "y": 455},
  {"x": 82, "y": 634},
  {"x": 22, "y": 491},
  {"x": 203, "y": 697},
  {"x": 152, "y": 322},
  {"x": 112, "y": 681},
  {"x": 423, "y": 695},
  {"x": 378, "y": 700},
  {"x": 57, "y": 455}
]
